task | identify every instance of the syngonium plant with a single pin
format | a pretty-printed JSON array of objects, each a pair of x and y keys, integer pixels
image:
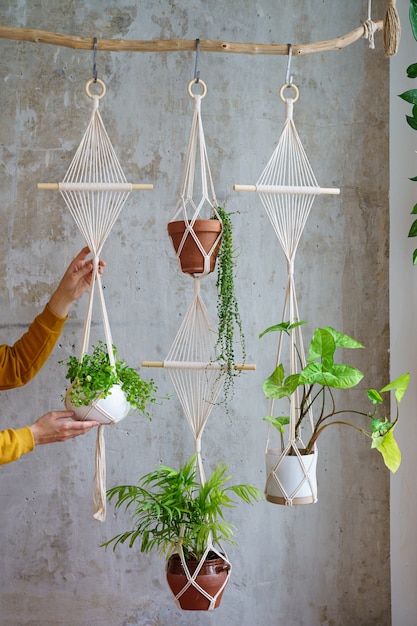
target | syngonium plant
[{"x": 314, "y": 385}]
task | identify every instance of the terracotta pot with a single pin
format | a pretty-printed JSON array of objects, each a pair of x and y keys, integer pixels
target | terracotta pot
[
  {"x": 107, "y": 410},
  {"x": 293, "y": 486},
  {"x": 191, "y": 257},
  {"x": 212, "y": 578}
]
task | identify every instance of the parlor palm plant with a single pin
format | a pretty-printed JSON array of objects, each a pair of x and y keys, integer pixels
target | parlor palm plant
[
  {"x": 182, "y": 518},
  {"x": 171, "y": 506}
]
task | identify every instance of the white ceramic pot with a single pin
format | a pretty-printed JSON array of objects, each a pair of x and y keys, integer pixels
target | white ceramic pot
[
  {"x": 107, "y": 410},
  {"x": 290, "y": 479}
]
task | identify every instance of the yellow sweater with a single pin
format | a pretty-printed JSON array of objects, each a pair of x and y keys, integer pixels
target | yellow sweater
[{"x": 18, "y": 365}]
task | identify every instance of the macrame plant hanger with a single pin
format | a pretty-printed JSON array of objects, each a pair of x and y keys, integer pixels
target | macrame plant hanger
[
  {"x": 95, "y": 190},
  {"x": 287, "y": 188},
  {"x": 192, "y": 363}
]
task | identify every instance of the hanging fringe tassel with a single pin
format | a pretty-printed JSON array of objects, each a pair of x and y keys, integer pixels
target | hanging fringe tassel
[
  {"x": 391, "y": 30},
  {"x": 99, "y": 492}
]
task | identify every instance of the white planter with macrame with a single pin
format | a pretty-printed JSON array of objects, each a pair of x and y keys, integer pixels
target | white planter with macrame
[
  {"x": 291, "y": 479},
  {"x": 109, "y": 410}
]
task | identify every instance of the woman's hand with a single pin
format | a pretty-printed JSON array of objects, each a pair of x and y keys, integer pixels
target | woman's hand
[
  {"x": 57, "y": 426},
  {"x": 74, "y": 283}
]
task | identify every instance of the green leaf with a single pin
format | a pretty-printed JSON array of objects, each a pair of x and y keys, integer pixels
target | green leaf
[
  {"x": 322, "y": 345},
  {"x": 278, "y": 422},
  {"x": 380, "y": 426},
  {"x": 390, "y": 451},
  {"x": 411, "y": 121},
  {"x": 275, "y": 380},
  {"x": 414, "y": 211},
  {"x": 412, "y": 13},
  {"x": 374, "y": 396},
  {"x": 412, "y": 70},
  {"x": 342, "y": 340},
  {"x": 415, "y": 257},
  {"x": 282, "y": 327},
  {"x": 409, "y": 96},
  {"x": 413, "y": 230},
  {"x": 413, "y": 179},
  {"x": 339, "y": 376},
  {"x": 399, "y": 385},
  {"x": 275, "y": 386}
]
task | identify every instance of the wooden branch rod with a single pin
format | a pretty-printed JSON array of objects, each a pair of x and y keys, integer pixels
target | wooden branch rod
[{"x": 179, "y": 45}]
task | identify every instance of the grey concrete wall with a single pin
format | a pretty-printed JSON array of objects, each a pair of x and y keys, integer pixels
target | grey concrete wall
[{"x": 322, "y": 564}]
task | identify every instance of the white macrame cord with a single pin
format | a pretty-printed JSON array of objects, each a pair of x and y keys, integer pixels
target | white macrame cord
[
  {"x": 287, "y": 188},
  {"x": 95, "y": 190}
]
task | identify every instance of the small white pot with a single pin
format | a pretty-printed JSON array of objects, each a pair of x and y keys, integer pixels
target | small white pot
[
  {"x": 107, "y": 410},
  {"x": 290, "y": 479}
]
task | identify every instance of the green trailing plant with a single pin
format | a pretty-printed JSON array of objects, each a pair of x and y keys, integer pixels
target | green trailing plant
[
  {"x": 93, "y": 377},
  {"x": 314, "y": 383},
  {"x": 168, "y": 506},
  {"x": 411, "y": 96},
  {"x": 229, "y": 319}
]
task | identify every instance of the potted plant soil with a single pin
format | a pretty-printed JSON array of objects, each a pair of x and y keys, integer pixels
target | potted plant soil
[
  {"x": 312, "y": 400},
  {"x": 103, "y": 392},
  {"x": 183, "y": 519}
]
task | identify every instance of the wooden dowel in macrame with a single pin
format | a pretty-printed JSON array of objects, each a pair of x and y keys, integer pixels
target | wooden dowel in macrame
[
  {"x": 288, "y": 189},
  {"x": 391, "y": 31},
  {"x": 195, "y": 365},
  {"x": 96, "y": 186}
]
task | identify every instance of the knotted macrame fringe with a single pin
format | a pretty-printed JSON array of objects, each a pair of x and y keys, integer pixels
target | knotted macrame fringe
[
  {"x": 99, "y": 485},
  {"x": 391, "y": 32}
]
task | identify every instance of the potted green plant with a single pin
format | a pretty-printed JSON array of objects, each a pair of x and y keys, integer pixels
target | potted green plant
[
  {"x": 310, "y": 390},
  {"x": 104, "y": 392},
  {"x": 183, "y": 519}
]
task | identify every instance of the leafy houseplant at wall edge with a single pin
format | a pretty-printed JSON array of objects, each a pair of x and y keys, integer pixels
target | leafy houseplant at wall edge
[{"x": 411, "y": 96}]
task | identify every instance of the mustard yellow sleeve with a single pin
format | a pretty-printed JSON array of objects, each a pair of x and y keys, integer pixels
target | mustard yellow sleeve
[
  {"x": 14, "y": 443},
  {"x": 22, "y": 361}
]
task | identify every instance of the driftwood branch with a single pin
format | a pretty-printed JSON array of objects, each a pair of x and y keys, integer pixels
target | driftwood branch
[{"x": 179, "y": 45}]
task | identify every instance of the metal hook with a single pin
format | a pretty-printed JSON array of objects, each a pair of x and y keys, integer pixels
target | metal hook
[
  {"x": 197, "y": 54},
  {"x": 288, "y": 78},
  {"x": 95, "y": 59}
]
